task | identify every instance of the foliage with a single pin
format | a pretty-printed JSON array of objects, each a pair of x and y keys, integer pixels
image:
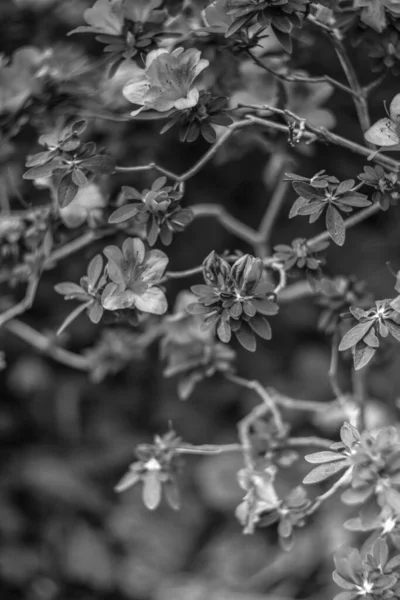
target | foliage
[{"x": 154, "y": 117}]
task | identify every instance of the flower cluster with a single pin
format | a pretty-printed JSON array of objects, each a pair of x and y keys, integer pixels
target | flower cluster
[
  {"x": 167, "y": 82},
  {"x": 158, "y": 210},
  {"x": 156, "y": 468},
  {"x": 129, "y": 281},
  {"x": 325, "y": 194},
  {"x": 72, "y": 162},
  {"x": 236, "y": 298}
]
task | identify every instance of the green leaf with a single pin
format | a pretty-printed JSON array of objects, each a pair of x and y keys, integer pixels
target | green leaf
[
  {"x": 95, "y": 269},
  {"x": 223, "y": 331},
  {"x": 261, "y": 327},
  {"x": 335, "y": 225},
  {"x": 362, "y": 355},
  {"x": 394, "y": 329},
  {"x": 323, "y": 472},
  {"x": 355, "y": 335},
  {"x": 68, "y": 288},
  {"x": 42, "y": 171},
  {"x": 152, "y": 489},
  {"x": 246, "y": 338},
  {"x": 98, "y": 164},
  {"x": 305, "y": 190},
  {"x": 323, "y": 457},
  {"x": 67, "y": 190}
]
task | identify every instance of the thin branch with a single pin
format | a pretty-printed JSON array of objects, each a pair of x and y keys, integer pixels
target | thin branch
[
  {"x": 46, "y": 346},
  {"x": 360, "y": 395},
  {"x": 230, "y": 223},
  {"x": 205, "y": 449},
  {"x": 271, "y": 214},
  {"x": 334, "y": 366},
  {"x": 298, "y": 404},
  {"x": 302, "y": 78},
  {"x": 360, "y": 100},
  {"x": 266, "y": 398},
  {"x": 24, "y": 304},
  {"x": 305, "y": 442}
]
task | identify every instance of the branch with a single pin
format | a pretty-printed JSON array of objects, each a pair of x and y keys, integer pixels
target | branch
[
  {"x": 205, "y": 449},
  {"x": 45, "y": 345},
  {"x": 271, "y": 214},
  {"x": 301, "y": 78},
  {"x": 24, "y": 304},
  {"x": 267, "y": 400},
  {"x": 230, "y": 223},
  {"x": 305, "y": 442}
]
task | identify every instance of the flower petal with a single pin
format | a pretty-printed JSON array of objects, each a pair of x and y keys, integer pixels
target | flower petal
[{"x": 152, "y": 301}]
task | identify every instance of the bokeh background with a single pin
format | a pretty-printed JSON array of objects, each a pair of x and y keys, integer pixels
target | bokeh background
[{"x": 66, "y": 440}]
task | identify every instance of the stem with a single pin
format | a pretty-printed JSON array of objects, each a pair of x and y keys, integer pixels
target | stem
[
  {"x": 230, "y": 223},
  {"x": 271, "y": 214},
  {"x": 301, "y": 78},
  {"x": 360, "y": 395},
  {"x": 267, "y": 400},
  {"x": 334, "y": 366},
  {"x": 360, "y": 100},
  {"x": 305, "y": 442},
  {"x": 45, "y": 345},
  {"x": 205, "y": 449},
  {"x": 24, "y": 304}
]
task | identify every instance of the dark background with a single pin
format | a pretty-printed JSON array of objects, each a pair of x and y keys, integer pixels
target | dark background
[{"x": 66, "y": 441}]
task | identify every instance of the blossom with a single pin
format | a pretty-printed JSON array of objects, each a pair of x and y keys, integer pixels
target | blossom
[
  {"x": 167, "y": 81},
  {"x": 135, "y": 275},
  {"x": 86, "y": 206},
  {"x": 105, "y": 17}
]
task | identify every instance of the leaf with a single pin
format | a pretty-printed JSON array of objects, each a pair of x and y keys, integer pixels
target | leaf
[
  {"x": 362, "y": 356},
  {"x": 297, "y": 205},
  {"x": 394, "y": 108},
  {"x": 98, "y": 164},
  {"x": 223, "y": 330},
  {"x": 261, "y": 327},
  {"x": 246, "y": 338},
  {"x": 355, "y": 335},
  {"x": 67, "y": 190},
  {"x": 94, "y": 269},
  {"x": 124, "y": 213},
  {"x": 349, "y": 435},
  {"x": 152, "y": 489},
  {"x": 394, "y": 329},
  {"x": 79, "y": 177},
  {"x": 322, "y": 472},
  {"x": 356, "y": 201},
  {"x": 344, "y": 186},
  {"x": 68, "y": 288},
  {"x": 305, "y": 190},
  {"x": 323, "y": 457},
  {"x": 42, "y": 171},
  {"x": 335, "y": 225}
]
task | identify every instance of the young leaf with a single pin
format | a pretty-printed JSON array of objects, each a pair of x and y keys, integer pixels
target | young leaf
[
  {"x": 322, "y": 472},
  {"x": 335, "y": 225},
  {"x": 67, "y": 190},
  {"x": 355, "y": 335}
]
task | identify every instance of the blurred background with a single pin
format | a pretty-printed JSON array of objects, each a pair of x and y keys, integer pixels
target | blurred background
[{"x": 66, "y": 440}]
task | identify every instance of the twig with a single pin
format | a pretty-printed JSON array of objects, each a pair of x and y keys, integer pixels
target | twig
[
  {"x": 205, "y": 449},
  {"x": 271, "y": 215},
  {"x": 302, "y": 78},
  {"x": 305, "y": 442},
  {"x": 360, "y": 395},
  {"x": 360, "y": 100},
  {"x": 230, "y": 223},
  {"x": 266, "y": 398},
  {"x": 334, "y": 366},
  {"x": 24, "y": 304},
  {"x": 298, "y": 404},
  {"x": 45, "y": 345},
  {"x": 320, "y": 133}
]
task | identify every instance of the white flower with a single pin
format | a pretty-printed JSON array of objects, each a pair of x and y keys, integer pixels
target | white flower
[{"x": 167, "y": 82}]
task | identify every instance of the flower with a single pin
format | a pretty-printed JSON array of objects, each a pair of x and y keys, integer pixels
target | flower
[
  {"x": 105, "y": 17},
  {"x": 135, "y": 275},
  {"x": 385, "y": 132},
  {"x": 87, "y": 205},
  {"x": 260, "y": 496},
  {"x": 167, "y": 81}
]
